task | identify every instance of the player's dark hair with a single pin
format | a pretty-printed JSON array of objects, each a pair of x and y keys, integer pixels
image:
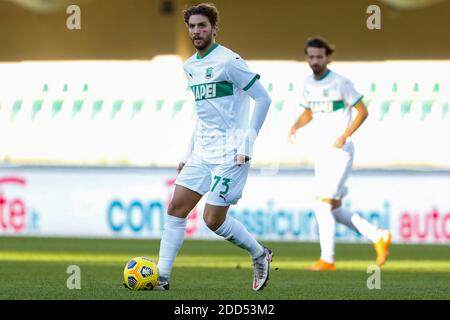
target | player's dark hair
[
  {"x": 208, "y": 10},
  {"x": 318, "y": 42}
]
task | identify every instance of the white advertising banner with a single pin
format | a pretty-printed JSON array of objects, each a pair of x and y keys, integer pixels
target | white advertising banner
[{"x": 131, "y": 203}]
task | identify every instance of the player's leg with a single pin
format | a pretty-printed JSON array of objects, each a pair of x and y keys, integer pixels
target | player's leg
[
  {"x": 231, "y": 229},
  {"x": 183, "y": 201},
  {"x": 357, "y": 223},
  {"x": 332, "y": 168},
  {"x": 327, "y": 229},
  {"x": 191, "y": 184},
  {"x": 380, "y": 238},
  {"x": 226, "y": 189}
]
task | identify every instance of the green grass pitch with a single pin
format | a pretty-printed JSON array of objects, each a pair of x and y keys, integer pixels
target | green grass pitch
[{"x": 35, "y": 268}]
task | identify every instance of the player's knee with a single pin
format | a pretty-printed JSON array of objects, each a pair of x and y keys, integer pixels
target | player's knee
[
  {"x": 212, "y": 222},
  {"x": 335, "y": 203},
  {"x": 177, "y": 209}
]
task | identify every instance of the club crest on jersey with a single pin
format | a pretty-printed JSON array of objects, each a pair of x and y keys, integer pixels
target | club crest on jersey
[
  {"x": 209, "y": 73},
  {"x": 326, "y": 92}
]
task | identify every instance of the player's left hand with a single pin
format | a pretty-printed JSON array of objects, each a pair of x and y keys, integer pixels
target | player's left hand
[
  {"x": 339, "y": 143},
  {"x": 241, "y": 159}
]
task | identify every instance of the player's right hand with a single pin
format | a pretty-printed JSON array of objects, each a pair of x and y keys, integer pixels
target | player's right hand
[
  {"x": 180, "y": 167},
  {"x": 292, "y": 134}
]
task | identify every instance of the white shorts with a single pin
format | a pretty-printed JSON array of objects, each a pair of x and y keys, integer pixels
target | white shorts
[
  {"x": 332, "y": 168},
  {"x": 224, "y": 182}
]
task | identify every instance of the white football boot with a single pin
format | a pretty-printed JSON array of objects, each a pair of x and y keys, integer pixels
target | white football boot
[{"x": 261, "y": 268}]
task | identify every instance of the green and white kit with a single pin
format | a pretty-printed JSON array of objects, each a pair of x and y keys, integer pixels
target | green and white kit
[
  {"x": 331, "y": 100},
  {"x": 219, "y": 81}
]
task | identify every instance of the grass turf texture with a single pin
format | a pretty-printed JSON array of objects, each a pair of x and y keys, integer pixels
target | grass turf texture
[{"x": 35, "y": 268}]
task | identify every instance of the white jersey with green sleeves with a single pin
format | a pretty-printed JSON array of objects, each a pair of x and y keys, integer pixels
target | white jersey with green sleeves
[
  {"x": 219, "y": 81},
  {"x": 331, "y": 99}
]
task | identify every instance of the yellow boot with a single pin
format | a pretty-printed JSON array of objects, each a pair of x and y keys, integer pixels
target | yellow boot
[
  {"x": 321, "y": 265},
  {"x": 382, "y": 247}
]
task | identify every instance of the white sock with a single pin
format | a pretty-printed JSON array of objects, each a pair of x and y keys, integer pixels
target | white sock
[
  {"x": 235, "y": 232},
  {"x": 171, "y": 241},
  {"x": 327, "y": 230},
  {"x": 358, "y": 223}
]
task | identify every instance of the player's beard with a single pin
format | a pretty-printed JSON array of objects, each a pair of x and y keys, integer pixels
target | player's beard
[
  {"x": 318, "y": 69},
  {"x": 206, "y": 42}
]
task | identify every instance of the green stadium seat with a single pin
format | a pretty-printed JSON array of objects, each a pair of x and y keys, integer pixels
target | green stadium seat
[
  {"x": 97, "y": 107},
  {"x": 394, "y": 87},
  {"x": 368, "y": 97},
  {"x": 57, "y": 107},
  {"x": 291, "y": 87},
  {"x": 16, "y": 107},
  {"x": 116, "y": 107},
  {"x": 36, "y": 108},
  {"x": 426, "y": 108},
  {"x": 178, "y": 105},
  {"x": 445, "y": 111},
  {"x": 137, "y": 107},
  {"x": 279, "y": 105},
  {"x": 384, "y": 109},
  {"x": 436, "y": 88},
  {"x": 159, "y": 104},
  {"x": 406, "y": 107},
  {"x": 77, "y": 106}
]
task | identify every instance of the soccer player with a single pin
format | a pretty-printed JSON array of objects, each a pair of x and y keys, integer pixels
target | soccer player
[
  {"x": 217, "y": 159},
  {"x": 328, "y": 98}
]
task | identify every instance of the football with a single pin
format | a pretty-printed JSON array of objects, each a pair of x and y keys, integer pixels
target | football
[{"x": 140, "y": 273}]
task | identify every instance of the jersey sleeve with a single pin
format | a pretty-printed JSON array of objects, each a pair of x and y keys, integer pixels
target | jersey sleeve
[
  {"x": 188, "y": 76},
  {"x": 303, "y": 100},
  {"x": 239, "y": 74},
  {"x": 349, "y": 93}
]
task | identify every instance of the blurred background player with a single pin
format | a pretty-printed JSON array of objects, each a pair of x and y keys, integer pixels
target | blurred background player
[
  {"x": 217, "y": 160},
  {"x": 329, "y": 98}
]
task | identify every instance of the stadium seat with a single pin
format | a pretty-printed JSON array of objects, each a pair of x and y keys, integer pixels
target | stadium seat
[
  {"x": 37, "y": 107},
  {"x": 426, "y": 108},
  {"x": 116, "y": 108},
  {"x": 97, "y": 107},
  {"x": 77, "y": 106},
  {"x": 137, "y": 107},
  {"x": 57, "y": 107},
  {"x": 445, "y": 111},
  {"x": 16, "y": 108},
  {"x": 384, "y": 109}
]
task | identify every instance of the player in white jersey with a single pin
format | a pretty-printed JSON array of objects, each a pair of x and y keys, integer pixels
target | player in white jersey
[
  {"x": 328, "y": 98},
  {"x": 217, "y": 160}
]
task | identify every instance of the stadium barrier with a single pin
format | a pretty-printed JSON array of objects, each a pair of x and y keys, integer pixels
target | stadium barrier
[{"x": 278, "y": 206}]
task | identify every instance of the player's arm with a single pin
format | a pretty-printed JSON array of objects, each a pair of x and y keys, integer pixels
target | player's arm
[
  {"x": 241, "y": 76},
  {"x": 302, "y": 121},
  {"x": 187, "y": 153},
  {"x": 262, "y": 104},
  {"x": 362, "y": 115},
  {"x": 190, "y": 146}
]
